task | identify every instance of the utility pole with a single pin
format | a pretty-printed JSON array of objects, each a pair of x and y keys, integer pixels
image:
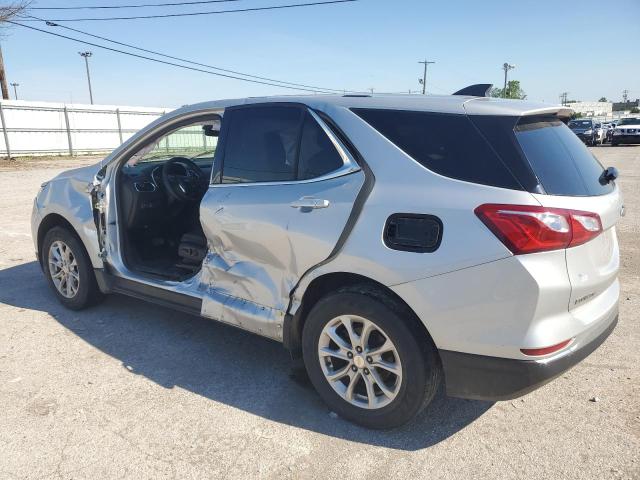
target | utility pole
[
  {"x": 506, "y": 67},
  {"x": 86, "y": 56},
  {"x": 15, "y": 89},
  {"x": 563, "y": 98},
  {"x": 3, "y": 79},
  {"x": 423, "y": 80}
]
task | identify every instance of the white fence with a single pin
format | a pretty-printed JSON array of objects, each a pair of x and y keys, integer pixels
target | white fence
[{"x": 41, "y": 128}]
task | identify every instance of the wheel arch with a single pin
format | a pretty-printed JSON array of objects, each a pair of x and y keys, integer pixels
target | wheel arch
[
  {"x": 50, "y": 221},
  {"x": 331, "y": 282}
]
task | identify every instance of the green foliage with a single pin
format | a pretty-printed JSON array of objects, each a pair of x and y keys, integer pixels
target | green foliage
[
  {"x": 635, "y": 110},
  {"x": 603, "y": 99},
  {"x": 575, "y": 115},
  {"x": 513, "y": 91}
]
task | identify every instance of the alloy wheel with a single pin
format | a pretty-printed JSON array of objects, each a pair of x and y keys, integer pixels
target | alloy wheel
[
  {"x": 63, "y": 269},
  {"x": 360, "y": 361}
]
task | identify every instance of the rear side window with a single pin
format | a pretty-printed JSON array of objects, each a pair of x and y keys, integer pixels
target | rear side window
[
  {"x": 318, "y": 156},
  {"x": 562, "y": 163},
  {"x": 448, "y": 144},
  {"x": 262, "y": 145}
]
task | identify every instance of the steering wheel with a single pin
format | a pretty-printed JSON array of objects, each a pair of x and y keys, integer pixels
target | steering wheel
[{"x": 183, "y": 180}]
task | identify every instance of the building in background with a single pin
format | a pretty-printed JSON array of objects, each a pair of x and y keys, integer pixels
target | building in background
[
  {"x": 626, "y": 106},
  {"x": 592, "y": 109}
]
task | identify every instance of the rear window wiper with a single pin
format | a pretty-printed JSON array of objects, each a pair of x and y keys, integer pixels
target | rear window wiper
[{"x": 608, "y": 176}]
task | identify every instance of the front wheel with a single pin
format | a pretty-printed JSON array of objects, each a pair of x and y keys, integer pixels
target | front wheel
[
  {"x": 68, "y": 269},
  {"x": 368, "y": 359}
]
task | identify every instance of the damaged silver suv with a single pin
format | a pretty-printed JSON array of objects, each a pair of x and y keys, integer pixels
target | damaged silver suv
[{"x": 395, "y": 242}]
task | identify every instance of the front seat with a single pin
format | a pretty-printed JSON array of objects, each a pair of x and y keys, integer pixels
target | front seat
[{"x": 193, "y": 247}]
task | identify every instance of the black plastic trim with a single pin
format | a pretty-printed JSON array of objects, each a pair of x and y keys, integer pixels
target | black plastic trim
[
  {"x": 482, "y": 377},
  {"x": 178, "y": 301},
  {"x": 389, "y": 242},
  {"x": 477, "y": 90}
]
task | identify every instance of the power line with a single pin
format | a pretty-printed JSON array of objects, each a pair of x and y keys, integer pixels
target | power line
[
  {"x": 96, "y": 7},
  {"x": 191, "y": 14},
  {"x": 313, "y": 87},
  {"x": 165, "y": 62}
]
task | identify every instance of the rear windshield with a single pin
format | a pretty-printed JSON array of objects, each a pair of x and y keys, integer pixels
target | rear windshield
[
  {"x": 629, "y": 121},
  {"x": 562, "y": 163},
  {"x": 580, "y": 124},
  {"x": 448, "y": 144}
]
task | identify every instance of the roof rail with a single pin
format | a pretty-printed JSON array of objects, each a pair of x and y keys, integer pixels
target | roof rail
[{"x": 477, "y": 90}]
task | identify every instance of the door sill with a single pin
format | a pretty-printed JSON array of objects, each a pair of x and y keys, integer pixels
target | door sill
[{"x": 178, "y": 301}]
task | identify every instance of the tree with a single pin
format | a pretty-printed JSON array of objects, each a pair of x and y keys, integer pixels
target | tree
[
  {"x": 7, "y": 12},
  {"x": 11, "y": 9},
  {"x": 575, "y": 115},
  {"x": 513, "y": 91},
  {"x": 635, "y": 110},
  {"x": 603, "y": 99}
]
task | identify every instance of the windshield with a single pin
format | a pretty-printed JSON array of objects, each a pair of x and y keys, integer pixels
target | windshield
[
  {"x": 580, "y": 124},
  {"x": 192, "y": 142},
  {"x": 629, "y": 121}
]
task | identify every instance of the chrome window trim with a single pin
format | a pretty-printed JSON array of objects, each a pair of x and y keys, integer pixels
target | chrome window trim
[{"x": 349, "y": 164}]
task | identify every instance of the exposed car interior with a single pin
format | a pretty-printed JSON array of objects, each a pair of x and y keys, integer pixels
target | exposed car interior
[{"x": 160, "y": 188}]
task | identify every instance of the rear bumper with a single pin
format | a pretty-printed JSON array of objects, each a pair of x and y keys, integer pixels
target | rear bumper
[{"x": 482, "y": 377}]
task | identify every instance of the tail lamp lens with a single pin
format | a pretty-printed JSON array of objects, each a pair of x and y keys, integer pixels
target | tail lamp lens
[{"x": 529, "y": 229}]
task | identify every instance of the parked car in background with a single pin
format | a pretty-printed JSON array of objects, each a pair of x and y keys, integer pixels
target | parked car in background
[
  {"x": 585, "y": 130},
  {"x": 395, "y": 242},
  {"x": 626, "y": 132},
  {"x": 600, "y": 134},
  {"x": 608, "y": 131}
]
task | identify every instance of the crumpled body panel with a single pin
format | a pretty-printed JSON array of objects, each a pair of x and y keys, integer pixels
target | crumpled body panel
[
  {"x": 67, "y": 195},
  {"x": 259, "y": 246}
]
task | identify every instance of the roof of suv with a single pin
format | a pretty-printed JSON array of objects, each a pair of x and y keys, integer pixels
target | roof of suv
[{"x": 428, "y": 103}]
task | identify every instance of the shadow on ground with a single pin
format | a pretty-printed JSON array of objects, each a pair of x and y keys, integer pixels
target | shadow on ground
[{"x": 221, "y": 363}]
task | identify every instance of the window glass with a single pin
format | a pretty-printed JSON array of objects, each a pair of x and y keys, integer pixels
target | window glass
[
  {"x": 447, "y": 144},
  {"x": 192, "y": 141},
  {"x": 561, "y": 161},
  {"x": 262, "y": 145},
  {"x": 318, "y": 155}
]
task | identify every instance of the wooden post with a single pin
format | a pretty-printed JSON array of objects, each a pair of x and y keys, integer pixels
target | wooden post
[
  {"x": 6, "y": 134},
  {"x": 66, "y": 121}
]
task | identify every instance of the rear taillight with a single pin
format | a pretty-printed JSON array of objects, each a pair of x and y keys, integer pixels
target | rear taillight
[{"x": 529, "y": 229}]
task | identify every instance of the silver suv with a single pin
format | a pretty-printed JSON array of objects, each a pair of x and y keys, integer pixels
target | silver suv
[{"x": 395, "y": 242}]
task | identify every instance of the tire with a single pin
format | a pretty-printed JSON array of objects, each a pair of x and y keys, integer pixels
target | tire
[
  {"x": 614, "y": 144},
  {"x": 417, "y": 358},
  {"x": 86, "y": 292}
]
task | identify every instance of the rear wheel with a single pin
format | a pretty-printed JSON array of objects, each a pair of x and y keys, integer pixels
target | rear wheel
[
  {"x": 68, "y": 269},
  {"x": 367, "y": 359}
]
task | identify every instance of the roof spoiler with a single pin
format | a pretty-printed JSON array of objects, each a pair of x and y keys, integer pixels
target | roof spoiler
[{"x": 477, "y": 90}]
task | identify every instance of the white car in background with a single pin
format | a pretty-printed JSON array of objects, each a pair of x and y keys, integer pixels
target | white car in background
[
  {"x": 626, "y": 132},
  {"x": 600, "y": 136}
]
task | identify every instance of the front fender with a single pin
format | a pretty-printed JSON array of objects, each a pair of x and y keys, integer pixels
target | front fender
[{"x": 68, "y": 196}]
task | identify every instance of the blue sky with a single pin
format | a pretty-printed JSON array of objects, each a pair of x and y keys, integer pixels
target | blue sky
[{"x": 588, "y": 48}]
